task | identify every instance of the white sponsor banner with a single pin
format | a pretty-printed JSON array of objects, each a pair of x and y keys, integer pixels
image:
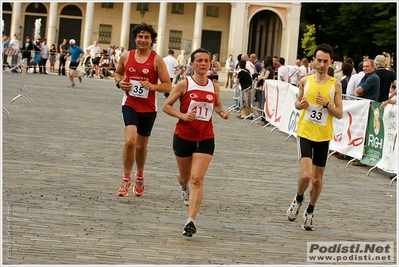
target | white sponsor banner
[
  {"x": 350, "y": 130},
  {"x": 370, "y": 252},
  {"x": 389, "y": 160},
  {"x": 275, "y": 93},
  {"x": 289, "y": 119}
]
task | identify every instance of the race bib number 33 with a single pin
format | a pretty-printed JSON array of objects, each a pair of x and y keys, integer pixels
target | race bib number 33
[
  {"x": 316, "y": 114},
  {"x": 138, "y": 90}
]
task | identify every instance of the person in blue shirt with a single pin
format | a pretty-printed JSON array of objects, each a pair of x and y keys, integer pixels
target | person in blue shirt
[
  {"x": 369, "y": 86},
  {"x": 76, "y": 54}
]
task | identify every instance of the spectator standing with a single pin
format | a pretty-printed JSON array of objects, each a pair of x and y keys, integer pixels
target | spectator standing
[
  {"x": 104, "y": 63},
  {"x": 137, "y": 74},
  {"x": 182, "y": 61},
  {"x": 230, "y": 67},
  {"x": 171, "y": 65},
  {"x": 276, "y": 65},
  {"x": 267, "y": 73},
  {"x": 304, "y": 69},
  {"x": 254, "y": 59},
  {"x": 386, "y": 78},
  {"x": 194, "y": 138},
  {"x": 14, "y": 45},
  {"x": 53, "y": 58},
  {"x": 283, "y": 71},
  {"x": 249, "y": 65},
  {"x": 94, "y": 51},
  {"x": 64, "y": 49},
  {"x": 214, "y": 69},
  {"x": 293, "y": 72},
  {"x": 44, "y": 52},
  {"x": 244, "y": 78},
  {"x": 355, "y": 80},
  {"x": 369, "y": 86},
  {"x": 347, "y": 73},
  {"x": 321, "y": 94},
  {"x": 6, "y": 45},
  {"x": 27, "y": 50},
  {"x": 36, "y": 57}
]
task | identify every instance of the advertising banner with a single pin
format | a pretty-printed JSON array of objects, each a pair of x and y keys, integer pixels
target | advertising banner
[
  {"x": 389, "y": 159},
  {"x": 350, "y": 130}
]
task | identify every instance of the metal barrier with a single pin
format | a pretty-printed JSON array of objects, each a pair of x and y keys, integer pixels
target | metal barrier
[{"x": 23, "y": 66}]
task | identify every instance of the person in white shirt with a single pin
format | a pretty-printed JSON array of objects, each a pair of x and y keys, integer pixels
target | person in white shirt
[
  {"x": 249, "y": 65},
  {"x": 171, "y": 65},
  {"x": 43, "y": 57},
  {"x": 355, "y": 80},
  {"x": 283, "y": 72},
  {"x": 304, "y": 69},
  {"x": 95, "y": 53},
  {"x": 293, "y": 72},
  {"x": 14, "y": 44},
  {"x": 230, "y": 67}
]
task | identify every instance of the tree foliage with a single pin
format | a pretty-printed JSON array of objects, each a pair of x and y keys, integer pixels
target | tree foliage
[
  {"x": 309, "y": 41},
  {"x": 352, "y": 29}
]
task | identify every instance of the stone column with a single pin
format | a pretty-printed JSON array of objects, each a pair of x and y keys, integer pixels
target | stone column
[
  {"x": 88, "y": 31},
  {"x": 292, "y": 33},
  {"x": 199, "y": 13},
  {"x": 125, "y": 25},
  {"x": 52, "y": 25},
  {"x": 163, "y": 9},
  {"x": 16, "y": 18},
  {"x": 238, "y": 42}
]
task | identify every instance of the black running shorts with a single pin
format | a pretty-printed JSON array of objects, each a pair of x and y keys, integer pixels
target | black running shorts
[
  {"x": 317, "y": 151},
  {"x": 73, "y": 65},
  {"x": 143, "y": 121},
  {"x": 184, "y": 148}
]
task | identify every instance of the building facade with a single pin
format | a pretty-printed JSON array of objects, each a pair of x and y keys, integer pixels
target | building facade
[{"x": 264, "y": 28}]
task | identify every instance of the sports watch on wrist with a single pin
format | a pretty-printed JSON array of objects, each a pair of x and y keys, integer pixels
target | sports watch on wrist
[
  {"x": 117, "y": 83},
  {"x": 327, "y": 105}
]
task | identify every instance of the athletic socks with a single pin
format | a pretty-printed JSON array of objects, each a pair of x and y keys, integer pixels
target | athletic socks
[
  {"x": 310, "y": 209},
  {"x": 299, "y": 198}
]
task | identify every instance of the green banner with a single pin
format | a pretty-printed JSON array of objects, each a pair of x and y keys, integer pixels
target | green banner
[{"x": 374, "y": 135}]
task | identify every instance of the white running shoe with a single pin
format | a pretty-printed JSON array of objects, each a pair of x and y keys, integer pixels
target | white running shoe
[
  {"x": 293, "y": 210},
  {"x": 185, "y": 195},
  {"x": 308, "y": 223}
]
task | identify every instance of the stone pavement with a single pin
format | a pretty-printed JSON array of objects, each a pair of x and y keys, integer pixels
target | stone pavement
[{"x": 62, "y": 166}]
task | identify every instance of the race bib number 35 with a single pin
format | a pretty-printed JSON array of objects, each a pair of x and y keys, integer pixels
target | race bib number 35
[
  {"x": 138, "y": 90},
  {"x": 316, "y": 114}
]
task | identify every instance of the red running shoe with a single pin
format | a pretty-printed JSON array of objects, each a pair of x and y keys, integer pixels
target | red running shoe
[
  {"x": 123, "y": 190},
  {"x": 138, "y": 188}
]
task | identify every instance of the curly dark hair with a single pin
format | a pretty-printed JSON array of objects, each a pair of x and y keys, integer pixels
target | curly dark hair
[
  {"x": 326, "y": 49},
  {"x": 145, "y": 28}
]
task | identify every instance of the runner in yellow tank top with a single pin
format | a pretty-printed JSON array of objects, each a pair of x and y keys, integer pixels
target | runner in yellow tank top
[
  {"x": 319, "y": 99},
  {"x": 315, "y": 123}
]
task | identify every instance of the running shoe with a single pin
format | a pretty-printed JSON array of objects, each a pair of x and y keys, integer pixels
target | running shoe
[
  {"x": 293, "y": 210},
  {"x": 138, "y": 188},
  {"x": 185, "y": 195},
  {"x": 123, "y": 190},
  {"x": 189, "y": 228},
  {"x": 72, "y": 86},
  {"x": 308, "y": 223}
]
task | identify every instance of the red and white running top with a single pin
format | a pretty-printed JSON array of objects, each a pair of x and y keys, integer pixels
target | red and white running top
[
  {"x": 202, "y": 99},
  {"x": 139, "y": 98}
]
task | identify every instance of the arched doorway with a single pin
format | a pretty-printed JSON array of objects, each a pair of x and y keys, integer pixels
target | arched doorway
[
  {"x": 70, "y": 28},
  {"x": 265, "y": 33},
  {"x": 7, "y": 18},
  {"x": 29, "y": 27}
]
